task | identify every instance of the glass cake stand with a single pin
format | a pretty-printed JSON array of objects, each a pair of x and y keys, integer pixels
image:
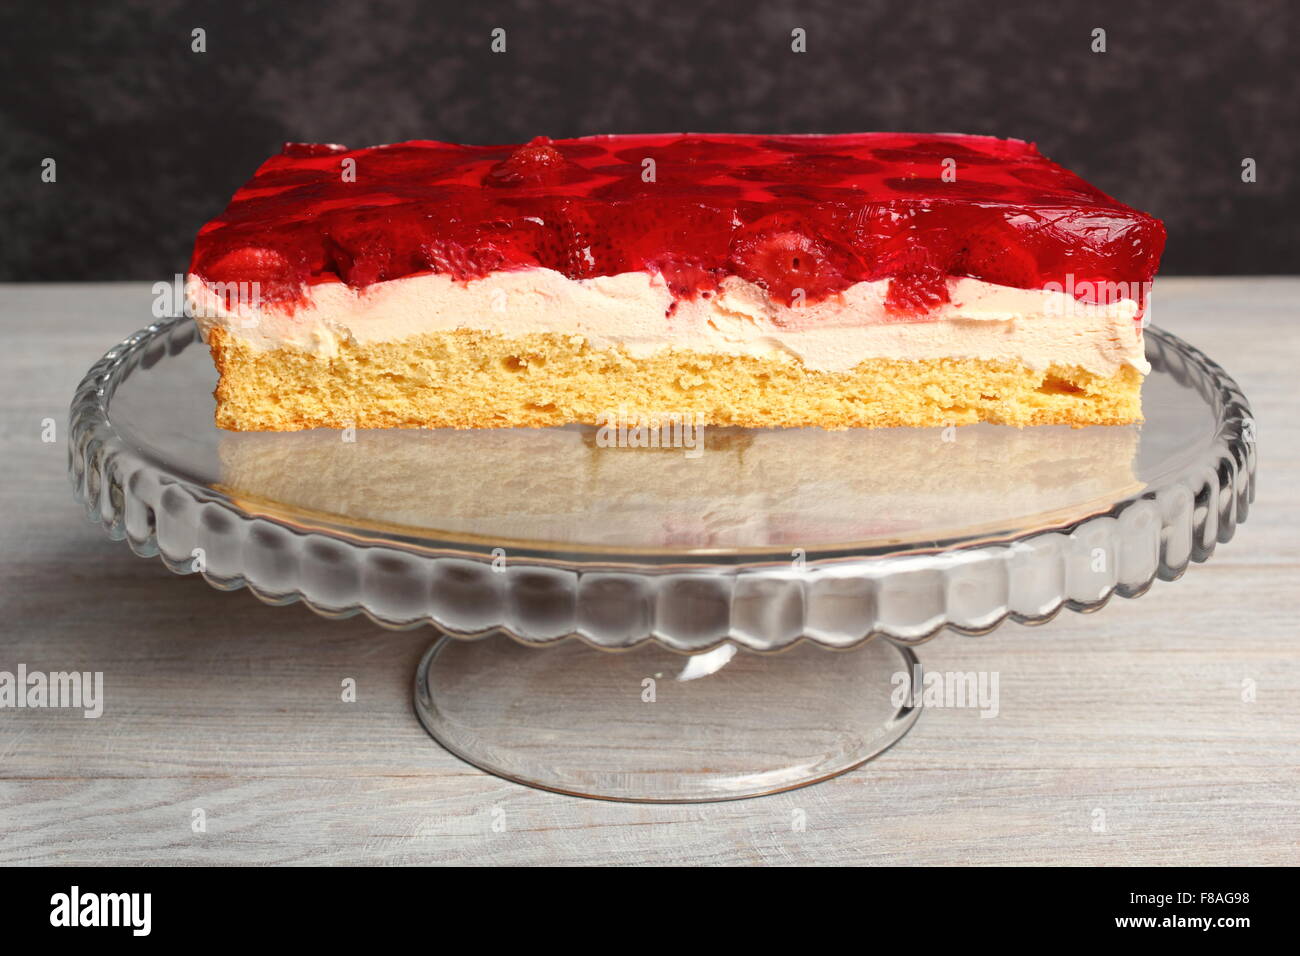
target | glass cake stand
[{"x": 535, "y": 552}]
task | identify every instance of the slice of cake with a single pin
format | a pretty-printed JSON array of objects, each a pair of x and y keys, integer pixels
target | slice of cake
[{"x": 874, "y": 279}]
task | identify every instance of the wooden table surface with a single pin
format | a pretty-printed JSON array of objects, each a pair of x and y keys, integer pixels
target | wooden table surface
[{"x": 218, "y": 703}]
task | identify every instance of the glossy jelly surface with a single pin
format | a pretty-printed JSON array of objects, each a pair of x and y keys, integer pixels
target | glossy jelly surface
[{"x": 803, "y": 216}]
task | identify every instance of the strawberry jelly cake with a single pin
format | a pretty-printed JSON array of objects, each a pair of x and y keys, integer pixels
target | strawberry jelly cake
[{"x": 862, "y": 280}]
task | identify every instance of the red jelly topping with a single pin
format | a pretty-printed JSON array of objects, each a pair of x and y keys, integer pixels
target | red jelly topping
[{"x": 803, "y": 216}]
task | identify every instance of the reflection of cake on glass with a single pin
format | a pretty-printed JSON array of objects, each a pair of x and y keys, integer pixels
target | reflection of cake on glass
[
  {"x": 780, "y": 488},
  {"x": 854, "y": 280}
]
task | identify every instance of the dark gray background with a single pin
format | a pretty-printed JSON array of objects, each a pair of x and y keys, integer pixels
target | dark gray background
[{"x": 151, "y": 139}]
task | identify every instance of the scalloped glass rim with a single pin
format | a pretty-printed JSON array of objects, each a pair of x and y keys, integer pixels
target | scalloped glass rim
[{"x": 972, "y": 581}]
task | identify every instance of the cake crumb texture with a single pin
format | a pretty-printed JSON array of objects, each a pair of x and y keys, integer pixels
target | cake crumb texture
[{"x": 474, "y": 379}]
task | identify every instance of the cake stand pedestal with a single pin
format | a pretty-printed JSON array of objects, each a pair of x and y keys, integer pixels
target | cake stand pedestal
[
  {"x": 658, "y": 726},
  {"x": 632, "y": 624}
]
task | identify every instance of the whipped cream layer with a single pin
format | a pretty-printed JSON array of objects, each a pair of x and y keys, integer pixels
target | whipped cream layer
[{"x": 635, "y": 311}]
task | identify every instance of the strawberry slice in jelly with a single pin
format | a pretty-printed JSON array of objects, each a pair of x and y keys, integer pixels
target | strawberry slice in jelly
[
  {"x": 569, "y": 241},
  {"x": 254, "y": 274},
  {"x": 783, "y": 255},
  {"x": 538, "y": 163},
  {"x": 914, "y": 295},
  {"x": 686, "y": 244},
  {"x": 995, "y": 255},
  {"x": 374, "y": 248}
]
